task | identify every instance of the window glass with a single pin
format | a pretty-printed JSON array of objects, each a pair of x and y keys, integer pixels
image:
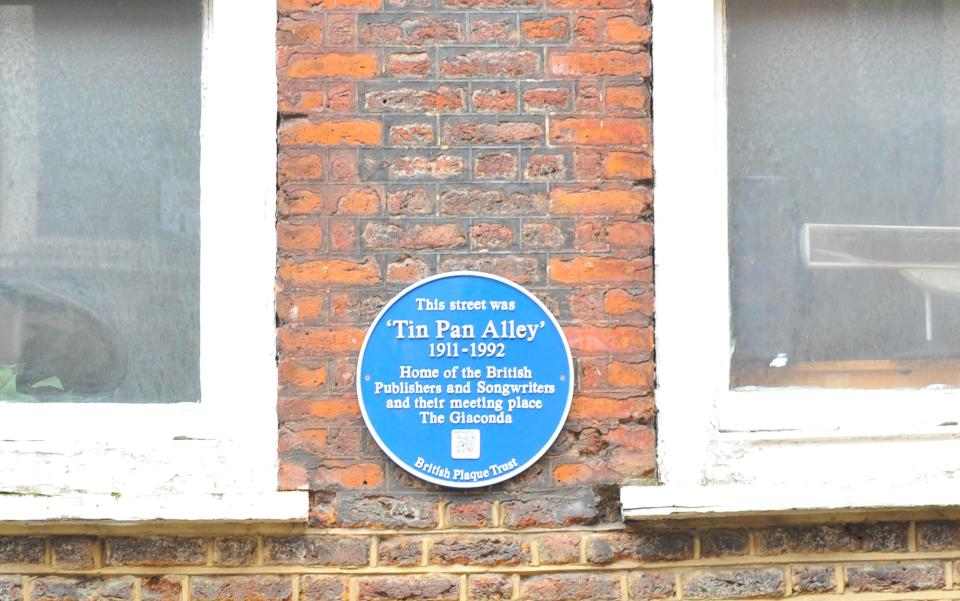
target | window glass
[
  {"x": 844, "y": 183},
  {"x": 99, "y": 200}
]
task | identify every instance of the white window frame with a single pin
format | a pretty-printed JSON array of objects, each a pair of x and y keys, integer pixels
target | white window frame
[
  {"x": 216, "y": 459},
  {"x": 733, "y": 452}
]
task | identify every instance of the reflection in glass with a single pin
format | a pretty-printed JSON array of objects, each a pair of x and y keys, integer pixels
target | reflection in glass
[
  {"x": 844, "y": 183},
  {"x": 99, "y": 200}
]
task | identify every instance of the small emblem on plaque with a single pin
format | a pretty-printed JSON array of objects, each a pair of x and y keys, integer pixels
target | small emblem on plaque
[{"x": 465, "y": 444}]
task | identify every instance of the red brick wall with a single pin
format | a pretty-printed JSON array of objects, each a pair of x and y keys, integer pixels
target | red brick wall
[{"x": 424, "y": 136}]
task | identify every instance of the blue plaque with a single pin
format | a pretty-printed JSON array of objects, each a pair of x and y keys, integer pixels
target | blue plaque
[{"x": 465, "y": 379}]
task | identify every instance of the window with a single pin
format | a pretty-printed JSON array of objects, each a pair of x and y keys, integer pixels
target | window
[
  {"x": 100, "y": 204},
  {"x": 844, "y": 145},
  {"x": 807, "y": 213},
  {"x": 141, "y": 140}
]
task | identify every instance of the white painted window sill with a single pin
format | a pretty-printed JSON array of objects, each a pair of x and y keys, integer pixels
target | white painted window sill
[
  {"x": 265, "y": 507},
  {"x": 666, "y": 502}
]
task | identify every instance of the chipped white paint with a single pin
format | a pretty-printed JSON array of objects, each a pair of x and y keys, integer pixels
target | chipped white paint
[
  {"x": 721, "y": 451},
  {"x": 211, "y": 460}
]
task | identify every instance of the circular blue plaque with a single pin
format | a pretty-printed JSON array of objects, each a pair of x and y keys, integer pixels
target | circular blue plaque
[{"x": 465, "y": 379}]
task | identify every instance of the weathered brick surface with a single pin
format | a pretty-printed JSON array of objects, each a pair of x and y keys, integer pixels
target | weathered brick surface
[
  {"x": 652, "y": 585},
  {"x": 11, "y": 588},
  {"x": 159, "y": 588},
  {"x": 241, "y": 588},
  {"x": 895, "y": 577},
  {"x": 73, "y": 551},
  {"x": 570, "y": 587},
  {"x": 156, "y": 551},
  {"x": 882, "y": 536},
  {"x": 480, "y": 550},
  {"x": 421, "y": 588},
  {"x": 734, "y": 583},
  {"x": 814, "y": 579},
  {"x": 55, "y": 588},
  {"x": 19, "y": 549},
  {"x": 426, "y": 136},
  {"x": 316, "y": 550}
]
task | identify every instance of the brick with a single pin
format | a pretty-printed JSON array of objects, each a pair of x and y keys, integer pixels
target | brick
[
  {"x": 330, "y": 133},
  {"x": 298, "y": 166},
  {"x": 600, "y": 408},
  {"x": 587, "y": 30},
  {"x": 649, "y": 585},
  {"x": 589, "y": 99},
  {"x": 344, "y": 475},
  {"x": 616, "y": 63},
  {"x": 343, "y": 165},
  {"x": 619, "y": 301},
  {"x": 156, "y": 551},
  {"x": 331, "y": 272},
  {"x": 479, "y": 550},
  {"x": 314, "y": 550},
  {"x": 814, "y": 579},
  {"x": 883, "y": 536},
  {"x": 294, "y": 6},
  {"x": 331, "y": 64},
  {"x": 341, "y": 29},
  {"x": 22, "y": 549},
  {"x": 241, "y": 588},
  {"x": 494, "y": 100},
  {"x": 419, "y": 236},
  {"x": 502, "y": 31},
  {"x": 409, "y": 64},
  {"x": 895, "y": 577},
  {"x": 601, "y": 132},
  {"x": 628, "y": 165},
  {"x": 543, "y": 236},
  {"x": 570, "y": 587},
  {"x": 491, "y": 4},
  {"x": 160, "y": 588},
  {"x": 407, "y": 270},
  {"x": 723, "y": 542},
  {"x": 489, "y": 587},
  {"x": 546, "y": 29},
  {"x": 545, "y": 167},
  {"x": 491, "y": 63},
  {"x": 323, "y": 588},
  {"x": 496, "y": 166},
  {"x": 546, "y": 99},
  {"x": 319, "y": 340},
  {"x": 295, "y": 32},
  {"x": 640, "y": 546},
  {"x": 491, "y": 236},
  {"x": 606, "y": 201},
  {"x": 388, "y": 512},
  {"x": 412, "y": 134},
  {"x": 574, "y": 507},
  {"x": 628, "y": 98},
  {"x": 611, "y": 375},
  {"x": 596, "y": 236},
  {"x": 409, "y": 99},
  {"x": 605, "y": 340},
  {"x": 343, "y": 235},
  {"x": 73, "y": 552},
  {"x": 411, "y": 201},
  {"x": 414, "y": 166},
  {"x": 559, "y": 548},
  {"x": 521, "y": 270},
  {"x": 486, "y": 132},
  {"x": 10, "y": 588},
  {"x": 940, "y": 535},
  {"x": 415, "y": 30},
  {"x": 492, "y": 202},
  {"x": 400, "y": 552},
  {"x": 734, "y": 583},
  {"x": 299, "y": 237},
  {"x": 53, "y": 588},
  {"x": 235, "y": 551},
  {"x": 625, "y": 30},
  {"x": 600, "y": 270},
  {"x": 469, "y": 513},
  {"x": 421, "y": 588}
]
